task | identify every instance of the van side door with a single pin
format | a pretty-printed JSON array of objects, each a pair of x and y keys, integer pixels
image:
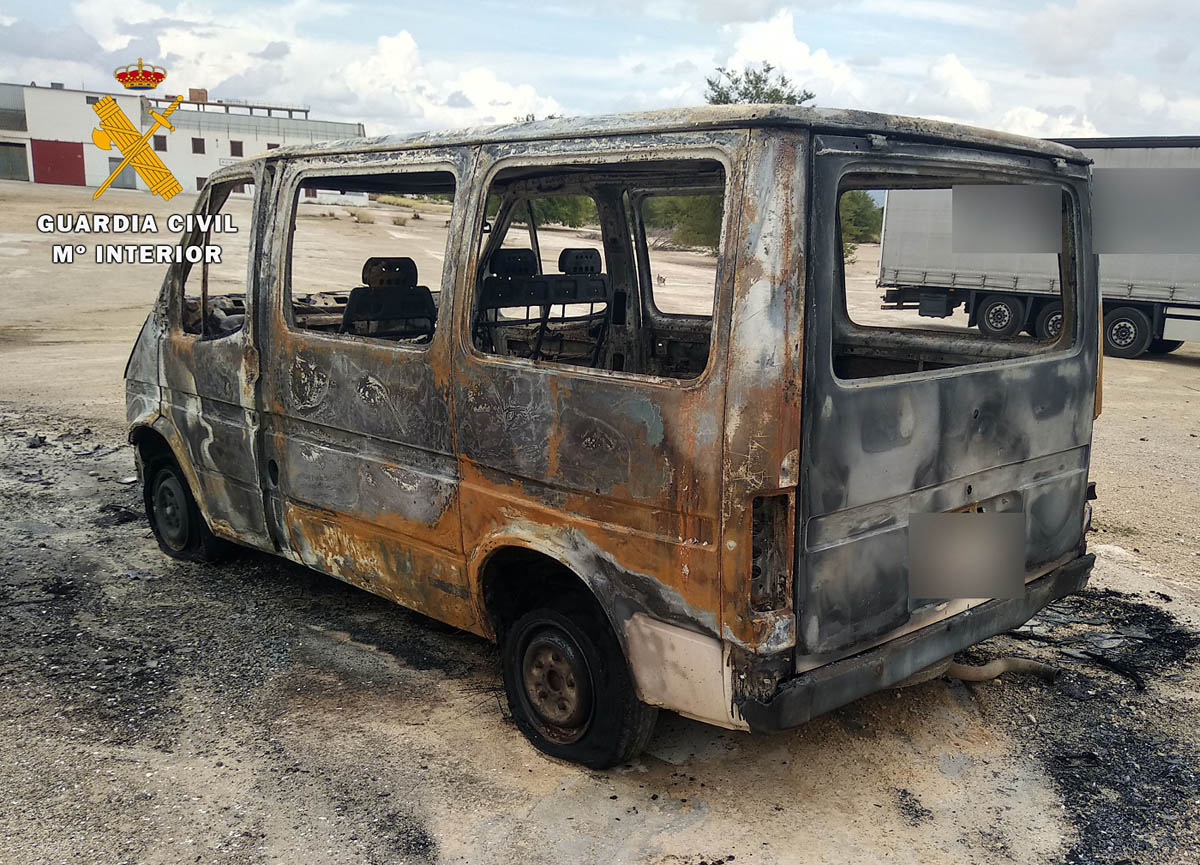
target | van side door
[
  {"x": 362, "y": 481},
  {"x": 209, "y": 361}
]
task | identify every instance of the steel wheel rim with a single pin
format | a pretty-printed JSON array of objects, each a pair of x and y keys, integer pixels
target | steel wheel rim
[
  {"x": 1122, "y": 333},
  {"x": 1054, "y": 324},
  {"x": 170, "y": 512},
  {"x": 556, "y": 685},
  {"x": 998, "y": 316}
]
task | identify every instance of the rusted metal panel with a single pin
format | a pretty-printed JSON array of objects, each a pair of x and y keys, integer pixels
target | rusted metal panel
[
  {"x": 876, "y": 449},
  {"x": 359, "y": 433},
  {"x": 762, "y": 407},
  {"x": 709, "y": 118},
  {"x": 617, "y": 475}
]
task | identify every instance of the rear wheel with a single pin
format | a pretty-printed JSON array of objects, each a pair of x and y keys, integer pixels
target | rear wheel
[
  {"x": 1126, "y": 332},
  {"x": 570, "y": 689},
  {"x": 1000, "y": 315},
  {"x": 175, "y": 519},
  {"x": 1048, "y": 324},
  {"x": 1164, "y": 346}
]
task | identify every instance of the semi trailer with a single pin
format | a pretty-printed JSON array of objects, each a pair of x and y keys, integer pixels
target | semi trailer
[{"x": 1151, "y": 301}]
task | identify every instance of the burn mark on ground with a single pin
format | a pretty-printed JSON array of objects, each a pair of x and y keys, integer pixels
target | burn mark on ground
[
  {"x": 910, "y": 806},
  {"x": 1112, "y": 746}
]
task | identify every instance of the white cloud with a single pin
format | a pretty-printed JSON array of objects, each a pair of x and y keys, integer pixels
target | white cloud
[
  {"x": 737, "y": 10},
  {"x": 262, "y": 56},
  {"x": 1024, "y": 120},
  {"x": 774, "y": 41},
  {"x": 958, "y": 87},
  {"x": 940, "y": 12},
  {"x": 1071, "y": 67},
  {"x": 1135, "y": 106}
]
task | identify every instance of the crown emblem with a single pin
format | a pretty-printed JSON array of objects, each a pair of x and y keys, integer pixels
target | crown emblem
[{"x": 140, "y": 77}]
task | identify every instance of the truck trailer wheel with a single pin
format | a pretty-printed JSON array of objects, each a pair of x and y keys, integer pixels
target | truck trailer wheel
[
  {"x": 1164, "y": 346},
  {"x": 1048, "y": 324},
  {"x": 1126, "y": 332},
  {"x": 1000, "y": 316},
  {"x": 570, "y": 689}
]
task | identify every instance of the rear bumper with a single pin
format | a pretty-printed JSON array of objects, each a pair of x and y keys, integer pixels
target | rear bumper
[{"x": 826, "y": 688}]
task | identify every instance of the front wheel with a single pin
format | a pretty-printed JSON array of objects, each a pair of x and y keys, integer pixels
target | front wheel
[
  {"x": 1126, "y": 332},
  {"x": 175, "y": 518},
  {"x": 569, "y": 687},
  {"x": 1000, "y": 316}
]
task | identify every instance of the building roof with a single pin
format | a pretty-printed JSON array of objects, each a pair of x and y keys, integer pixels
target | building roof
[{"x": 711, "y": 117}]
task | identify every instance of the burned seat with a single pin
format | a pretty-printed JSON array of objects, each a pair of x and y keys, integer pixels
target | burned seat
[
  {"x": 390, "y": 304},
  {"x": 551, "y": 316}
]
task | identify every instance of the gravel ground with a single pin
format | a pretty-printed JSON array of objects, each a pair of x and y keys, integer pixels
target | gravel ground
[{"x": 256, "y": 712}]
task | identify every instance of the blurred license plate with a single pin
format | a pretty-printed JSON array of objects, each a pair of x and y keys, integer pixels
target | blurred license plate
[{"x": 965, "y": 555}]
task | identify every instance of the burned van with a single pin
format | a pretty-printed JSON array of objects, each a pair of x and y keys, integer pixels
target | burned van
[{"x": 613, "y": 393}]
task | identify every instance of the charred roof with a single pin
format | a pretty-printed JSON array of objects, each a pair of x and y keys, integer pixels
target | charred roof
[{"x": 710, "y": 117}]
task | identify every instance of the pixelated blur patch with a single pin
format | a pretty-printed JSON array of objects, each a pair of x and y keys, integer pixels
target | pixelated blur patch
[
  {"x": 1011, "y": 218},
  {"x": 965, "y": 555},
  {"x": 1146, "y": 210}
]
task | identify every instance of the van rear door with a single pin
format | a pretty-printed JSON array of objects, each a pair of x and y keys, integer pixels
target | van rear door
[{"x": 901, "y": 418}]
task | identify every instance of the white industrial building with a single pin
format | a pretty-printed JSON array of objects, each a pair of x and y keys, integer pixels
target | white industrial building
[{"x": 46, "y": 134}]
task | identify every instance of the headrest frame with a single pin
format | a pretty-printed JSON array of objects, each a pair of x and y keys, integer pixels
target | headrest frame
[
  {"x": 580, "y": 260},
  {"x": 397, "y": 272},
  {"x": 513, "y": 262}
]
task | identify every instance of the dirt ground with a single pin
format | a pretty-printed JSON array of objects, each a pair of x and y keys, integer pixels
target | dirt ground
[{"x": 161, "y": 712}]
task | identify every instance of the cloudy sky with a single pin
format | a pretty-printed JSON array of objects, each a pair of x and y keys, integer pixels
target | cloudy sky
[{"x": 1076, "y": 67}]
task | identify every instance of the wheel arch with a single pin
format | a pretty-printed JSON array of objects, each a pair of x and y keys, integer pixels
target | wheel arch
[
  {"x": 157, "y": 438},
  {"x": 510, "y": 571}
]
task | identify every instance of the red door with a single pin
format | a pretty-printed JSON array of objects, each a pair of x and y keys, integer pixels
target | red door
[{"x": 58, "y": 162}]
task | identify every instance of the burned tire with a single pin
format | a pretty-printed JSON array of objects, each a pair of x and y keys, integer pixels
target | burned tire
[
  {"x": 1000, "y": 316},
  {"x": 175, "y": 519},
  {"x": 1049, "y": 321},
  {"x": 1164, "y": 346},
  {"x": 570, "y": 689},
  {"x": 1126, "y": 332}
]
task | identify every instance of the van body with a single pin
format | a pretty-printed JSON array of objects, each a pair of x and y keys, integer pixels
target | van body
[{"x": 662, "y": 467}]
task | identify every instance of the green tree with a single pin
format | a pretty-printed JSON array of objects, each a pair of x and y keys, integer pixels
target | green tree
[
  {"x": 686, "y": 220},
  {"x": 754, "y": 85},
  {"x": 861, "y": 219},
  {"x": 695, "y": 220},
  {"x": 570, "y": 210}
]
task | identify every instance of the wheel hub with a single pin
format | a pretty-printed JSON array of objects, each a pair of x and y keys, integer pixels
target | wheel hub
[
  {"x": 170, "y": 512},
  {"x": 1122, "y": 333},
  {"x": 1054, "y": 324},
  {"x": 999, "y": 316},
  {"x": 556, "y": 682}
]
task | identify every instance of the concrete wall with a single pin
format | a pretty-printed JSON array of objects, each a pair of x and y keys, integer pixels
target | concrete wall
[{"x": 65, "y": 115}]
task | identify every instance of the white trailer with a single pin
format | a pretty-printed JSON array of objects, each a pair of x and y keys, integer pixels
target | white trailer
[{"x": 1151, "y": 301}]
